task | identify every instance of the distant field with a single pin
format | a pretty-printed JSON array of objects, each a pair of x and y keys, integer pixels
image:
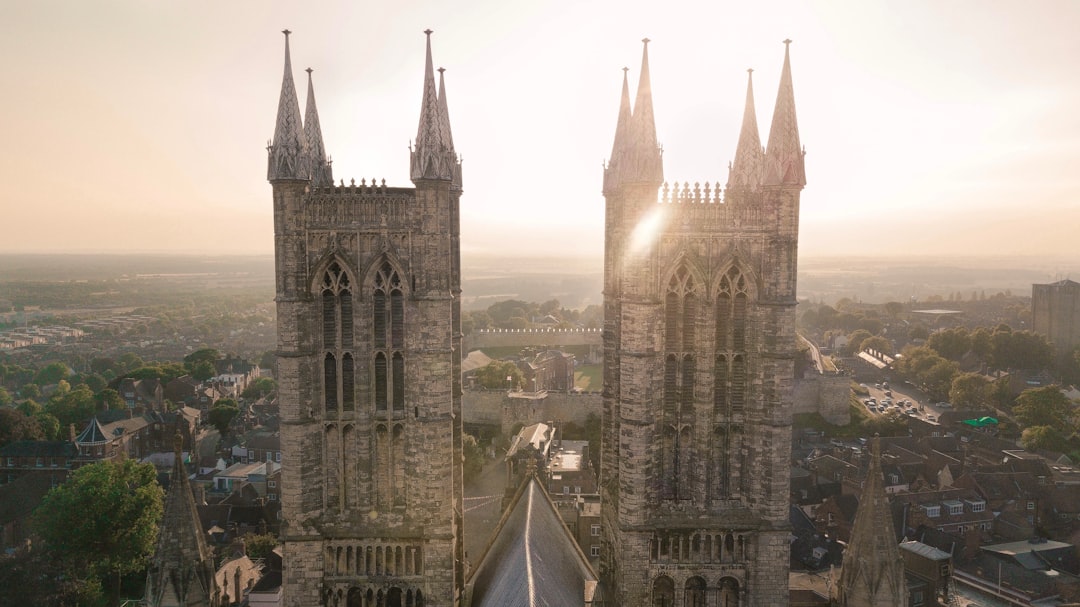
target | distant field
[{"x": 589, "y": 377}]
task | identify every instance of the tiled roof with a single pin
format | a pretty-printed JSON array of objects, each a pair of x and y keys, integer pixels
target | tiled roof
[{"x": 39, "y": 448}]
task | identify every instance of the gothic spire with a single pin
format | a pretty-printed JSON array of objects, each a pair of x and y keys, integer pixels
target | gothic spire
[
  {"x": 647, "y": 164},
  {"x": 873, "y": 572},
  {"x": 321, "y": 174},
  {"x": 784, "y": 156},
  {"x": 182, "y": 570},
  {"x": 745, "y": 171},
  {"x": 444, "y": 115},
  {"x": 635, "y": 155},
  {"x": 432, "y": 155},
  {"x": 288, "y": 152},
  {"x": 622, "y": 136}
]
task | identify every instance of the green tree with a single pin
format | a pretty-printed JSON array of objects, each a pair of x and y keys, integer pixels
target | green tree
[
  {"x": 129, "y": 360},
  {"x": 16, "y": 426},
  {"x": 36, "y": 578},
  {"x": 30, "y": 391},
  {"x": 1043, "y": 437},
  {"x": 222, "y": 414},
  {"x": 952, "y": 344},
  {"x": 855, "y": 340},
  {"x": 118, "y": 506},
  {"x": 260, "y": 545},
  {"x": 878, "y": 344},
  {"x": 267, "y": 360},
  {"x": 1045, "y": 406},
  {"x": 5, "y": 397},
  {"x": 259, "y": 388},
  {"x": 969, "y": 390},
  {"x": 51, "y": 374},
  {"x": 499, "y": 375},
  {"x": 474, "y": 457},
  {"x": 109, "y": 400},
  {"x": 50, "y": 426},
  {"x": 203, "y": 370},
  {"x": 95, "y": 382},
  {"x": 73, "y": 407},
  {"x": 205, "y": 354}
]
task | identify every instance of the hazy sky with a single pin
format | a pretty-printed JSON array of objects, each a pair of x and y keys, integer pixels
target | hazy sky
[{"x": 930, "y": 127}]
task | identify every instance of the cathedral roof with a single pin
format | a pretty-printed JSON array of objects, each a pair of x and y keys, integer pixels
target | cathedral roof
[
  {"x": 784, "y": 155},
  {"x": 746, "y": 168},
  {"x": 532, "y": 559},
  {"x": 321, "y": 174},
  {"x": 288, "y": 151}
]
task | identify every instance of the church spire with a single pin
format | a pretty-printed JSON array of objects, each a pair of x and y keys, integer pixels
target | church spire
[
  {"x": 784, "y": 156},
  {"x": 873, "y": 572},
  {"x": 647, "y": 164},
  {"x": 321, "y": 174},
  {"x": 745, "y": 171},
  {"x": 431, "y": 156},
  {"x": 635, "y": 155},
  {"x": 447, "y": 133},
  {"x": 622, "y": 136},
  {"x": 182, "y": 570},
  {"x": 288, "y": 152}
]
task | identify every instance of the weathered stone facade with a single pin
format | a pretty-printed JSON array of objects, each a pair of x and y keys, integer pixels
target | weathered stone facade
[
  {"x": 368, "y": 349},
  {"x": 699, "y": 350}
]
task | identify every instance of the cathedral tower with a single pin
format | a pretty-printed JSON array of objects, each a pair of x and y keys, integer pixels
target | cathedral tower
[
  {"x": 368, "y": 350},
  {"x": 699, "y": 347}
]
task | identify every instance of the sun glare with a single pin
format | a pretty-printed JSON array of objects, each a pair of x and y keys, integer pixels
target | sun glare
[{"x": 645, "y": 231}]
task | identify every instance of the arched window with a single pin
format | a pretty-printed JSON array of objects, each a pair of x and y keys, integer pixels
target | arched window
[
  {"x": 335, "y": 291},
  {"x": 680, "y": 325},
  {"x": 695, "y": 592},
  {"x": 663, "y": 592},
  {"x": 729, "y": 592},
  {"x": 388, "y": 328},
  {"x": 732, "y": 345}
]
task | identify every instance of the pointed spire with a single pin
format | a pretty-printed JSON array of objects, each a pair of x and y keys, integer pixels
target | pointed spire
[
  {"x": 647, "y": 164},
  {"x": 620, "y": 146},
  {"x": 745, "y": 171},
  {"x": 873, "y": 572},
  {"x": 635, "y": 155},
  {"x": 447, "y": 133},
  {"x": 182, "y": 570},
  {"x": 644, "y": 126},
  {"x": 288, "y": 152},
  {"x": 432, "y": 155},
  {"x": 444, "y": 114},
  {"x": 321, "y": 175},
  {"x": 784, "y": 156}
]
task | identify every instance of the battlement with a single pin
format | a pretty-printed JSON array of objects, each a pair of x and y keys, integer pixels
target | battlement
[
  {"x": 710, "y": 207},
  {"x": 374, "y": 204}
]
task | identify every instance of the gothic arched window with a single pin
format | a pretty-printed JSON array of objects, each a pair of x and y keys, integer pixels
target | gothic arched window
[
  {"x": 677, "y": 423},
  {"x": 335, "y": 293},
  {"x": 388, "y": 370}
]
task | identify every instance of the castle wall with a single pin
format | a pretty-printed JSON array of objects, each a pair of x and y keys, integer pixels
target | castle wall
[
  {"x": 497, "y": 409},
  {"x": 827, "y": 395}
]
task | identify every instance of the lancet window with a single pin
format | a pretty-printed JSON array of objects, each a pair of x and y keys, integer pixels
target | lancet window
[
  {"x": 677, "y": 422},
  {"x": 388, "y": 377},
  {"x": 335, "y": 293},
  {"x": 730, "y": 383}
]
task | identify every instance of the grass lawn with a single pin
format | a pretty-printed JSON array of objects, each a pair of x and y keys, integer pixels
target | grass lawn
[{"x": 589, "y": 377}]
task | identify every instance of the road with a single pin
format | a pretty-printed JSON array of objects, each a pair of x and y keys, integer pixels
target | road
[{"x": 924, "y": 409}]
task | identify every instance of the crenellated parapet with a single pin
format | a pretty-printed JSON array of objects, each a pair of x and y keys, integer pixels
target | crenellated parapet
[{"x": 369, "y": 205}]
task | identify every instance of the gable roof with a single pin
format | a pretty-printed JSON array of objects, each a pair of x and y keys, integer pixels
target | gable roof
[{"x": 532, "y": 559}]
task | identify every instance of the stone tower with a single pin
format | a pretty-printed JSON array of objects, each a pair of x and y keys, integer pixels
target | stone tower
[
  {"x": 873, "y": 572},
  {"x": 368, "y": 313},
  {"x": 699, "y": 346},
  {"x": 181, "y": 573}
]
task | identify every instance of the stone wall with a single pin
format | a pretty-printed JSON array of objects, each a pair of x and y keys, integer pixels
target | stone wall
[
  {"x": 493, "y": 407},
  {"x": 828, "y": 395},
  {"x": 551, "y": 338}
]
